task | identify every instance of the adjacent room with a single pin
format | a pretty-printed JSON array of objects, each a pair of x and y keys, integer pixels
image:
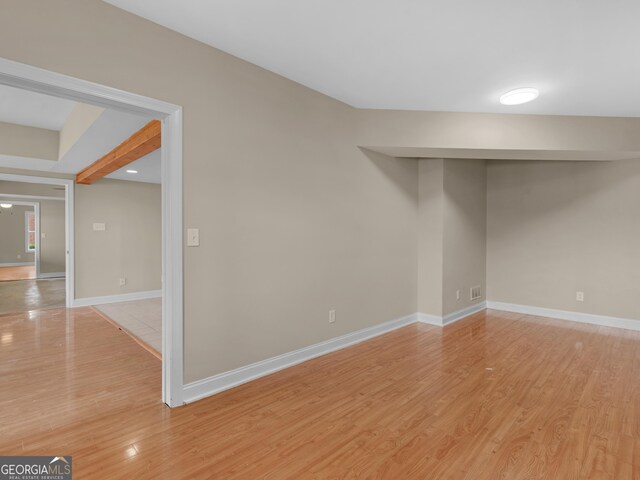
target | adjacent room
[
  {"x": 109, "y": 229},
  {"x": 291, "y": 240},
  {"x": 32, "y": 247}
]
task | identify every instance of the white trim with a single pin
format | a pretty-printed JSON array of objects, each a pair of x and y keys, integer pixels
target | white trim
[
  {"x": 36, "y": 210},
  {"x": 603, "y": 320},
  {"x": 448, "y": 319},
  {"x": 52, "y": 275},
  {"x": 17, "y": 264},
  {"x": 172, "y": 268},
  {"x": 26, "y": 231},
  {"x": 30, "y": 197},
  {"x": 38, "y": 80},
  {"x": 122, "y": 297},
  {"x": 224, "y": 381},
  {"x": 429, "y": 319},
  {"x": 464, "y": 313}
]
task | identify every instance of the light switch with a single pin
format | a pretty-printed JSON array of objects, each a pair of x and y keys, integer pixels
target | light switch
[
  {"x": 193, "y": 237},
  {"x": 99, "y": 227},
  {"x": 43, "y": 235}
]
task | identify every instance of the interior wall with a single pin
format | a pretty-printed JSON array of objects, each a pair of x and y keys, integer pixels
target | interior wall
[
  {"x": 52, "y": 237},
  {"x": 130, "y": 247},
  {"x": 12, "y": 235},
  {"x": 22, "y": 141},
  {"x": 451, "y": 234},
  {"x": 77, "y": 123},
  {"x": 408, "y": 133},
  {"x": 555, "y": 228},
  {"x": 294, "y": 219},
  {"x": 32, "y": 189},
  {"x": 430, "y": 236},
  {"x": 465, "y": 223}
]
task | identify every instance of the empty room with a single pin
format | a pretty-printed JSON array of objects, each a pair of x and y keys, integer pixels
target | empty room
[{"x": 390, "y": 240}]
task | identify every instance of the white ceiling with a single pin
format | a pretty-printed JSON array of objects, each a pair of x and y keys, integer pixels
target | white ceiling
[
  {"x": 32, "y": 109},
  {"x": 444, "y": 55},
  {"x": 148, "y": 168}
]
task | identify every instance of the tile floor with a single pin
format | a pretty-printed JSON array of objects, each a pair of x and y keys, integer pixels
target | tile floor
[{"x": 141, "y": 318}]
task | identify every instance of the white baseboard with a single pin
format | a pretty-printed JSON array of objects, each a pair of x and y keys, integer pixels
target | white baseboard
[
  {"x": 18, "y": 264},
  {"x": 429, "y": 319},
  {"x": 465, "y": 312},
  {"x": 123, "y": 297},
  {"x": 602, "y": 320},
  {"x": 224, "y": 381},
  {"x": 441, "y": 321},
  {"x": 53, "y": 275}
]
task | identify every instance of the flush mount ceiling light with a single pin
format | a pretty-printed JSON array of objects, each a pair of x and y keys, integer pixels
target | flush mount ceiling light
[
  {"x": 6, "y": 205},
  {"x": 519, "y": 96},
  {"x": 132, "y": 171}
]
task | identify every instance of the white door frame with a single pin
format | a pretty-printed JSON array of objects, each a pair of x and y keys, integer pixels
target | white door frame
[{"x": 38, "y": 80}]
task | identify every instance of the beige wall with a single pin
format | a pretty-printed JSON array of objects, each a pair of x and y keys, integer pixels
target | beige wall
[
  {"x": 430, "y": 236},
  {"x": 557, "y": 228},
  {"x": 12, "y": 232},
  {"x": 479, "y": 134},
  {"x": 34, "y": 189},
  {"x": 129, "y": 248},
  {"x": 465, "y": 220},
  {"x": 21, "y": 141},
  {"x": 52, "y": 236},
  {"x": 451, "y": 234},
  {"x": 294, "y": 219},
  {"x": 77, "y": 123}
]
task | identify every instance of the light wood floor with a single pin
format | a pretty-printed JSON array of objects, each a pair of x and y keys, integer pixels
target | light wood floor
[
  {"x": 495, "y": 396},
  {"x": 26, "y": 272},
  {"x": 26, "y": 295}
]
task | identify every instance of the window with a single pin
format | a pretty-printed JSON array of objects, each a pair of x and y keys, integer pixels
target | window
[{"x": 30, "y": 231}]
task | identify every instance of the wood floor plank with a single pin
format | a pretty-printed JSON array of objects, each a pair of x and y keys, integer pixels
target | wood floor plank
[
  {"x": 23, "y": 272},
  {"x": 495, "y": 396}
]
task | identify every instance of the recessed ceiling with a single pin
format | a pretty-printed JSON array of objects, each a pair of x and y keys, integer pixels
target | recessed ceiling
[
  {"x": 108, "y": 130},
  {"x": 31, "y": 109},
  {"x": 439, "y": 55},
  {"x": 106, "y": 133}
]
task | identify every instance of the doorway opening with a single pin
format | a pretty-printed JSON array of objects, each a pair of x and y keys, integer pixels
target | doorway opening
[
  {"x": 32, "y": 248},
  {"x": 33, "y": 79}
]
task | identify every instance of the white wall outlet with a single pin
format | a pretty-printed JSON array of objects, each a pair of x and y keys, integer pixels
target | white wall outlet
[
  {"x": 332, "y": 316},
  {"x": 193, "y": 237},
  {"x": 457, "y": 294},
  {"x": 580, "y": 296},
  {"x": 19, "y": 256},
  {"x": 43, "y": 235},
  {"x": 123, "y": 282},
  {"x": 99, "y": 227}
]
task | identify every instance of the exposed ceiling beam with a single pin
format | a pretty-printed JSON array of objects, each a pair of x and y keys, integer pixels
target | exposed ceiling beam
[{"x": 141, "y": 143}]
